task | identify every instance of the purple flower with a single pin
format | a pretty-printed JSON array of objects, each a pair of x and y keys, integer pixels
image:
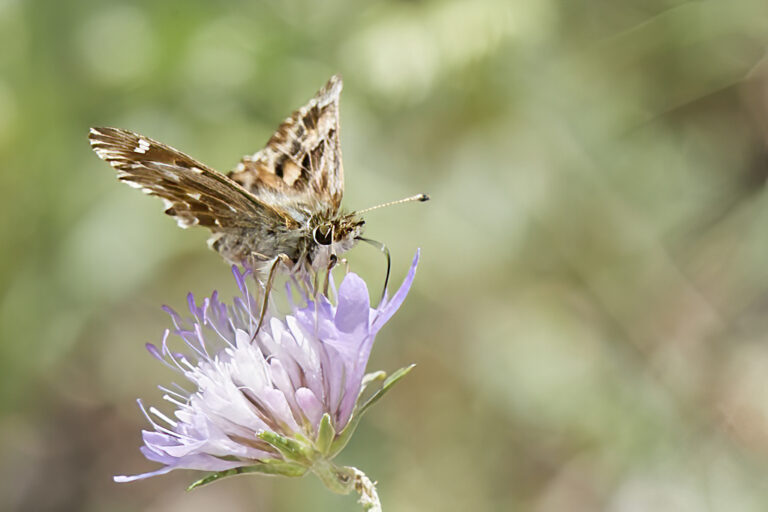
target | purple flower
[{"x": 282, "y": 403}]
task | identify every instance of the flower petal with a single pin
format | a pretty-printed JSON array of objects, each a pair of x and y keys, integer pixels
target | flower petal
[
  {"x": 281, "y": 383},
  {"x": 354, "y": 304},
  {"x": 390, "y": 306},
  {"x": 310, "y": 406},
  {"x": 200, "y": 462}
]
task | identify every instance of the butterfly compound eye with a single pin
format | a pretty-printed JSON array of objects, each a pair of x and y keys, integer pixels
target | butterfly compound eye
[{"x": 323, "y": 235}]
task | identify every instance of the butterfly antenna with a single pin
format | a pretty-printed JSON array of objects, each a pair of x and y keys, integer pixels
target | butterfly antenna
[
  {"x": 383, "y": 248},
  {"x": 417, "y": 197}
]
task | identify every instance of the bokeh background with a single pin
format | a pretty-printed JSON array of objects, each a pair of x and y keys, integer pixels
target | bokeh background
[{"x": 590, "y": 317}]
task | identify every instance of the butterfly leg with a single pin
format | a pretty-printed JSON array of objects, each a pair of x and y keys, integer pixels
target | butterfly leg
[
  {"x": 343, "y": 261},
  {"x": 281, "y": 258},
  {"x": 315, "y": 283},
  {"x": 331, "y": 263}
]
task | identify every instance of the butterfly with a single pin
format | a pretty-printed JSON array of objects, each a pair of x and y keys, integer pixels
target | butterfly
[{"x": 280, "y": 205}]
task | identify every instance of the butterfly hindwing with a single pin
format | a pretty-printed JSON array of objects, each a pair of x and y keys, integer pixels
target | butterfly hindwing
[{"x": 301, "y": 162}]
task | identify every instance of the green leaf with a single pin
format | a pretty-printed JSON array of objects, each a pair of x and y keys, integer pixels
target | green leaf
[
  {"x": 346, "y": 434},
  {"x": 268, "y": 467},
  {"x": 288, "y": 448},
  {"x": 325, "y": 434},
  {"x": 388, "y": 383}
]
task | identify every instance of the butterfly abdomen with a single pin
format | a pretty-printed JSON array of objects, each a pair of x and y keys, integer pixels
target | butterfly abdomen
[{"x": 259, "y": 245}]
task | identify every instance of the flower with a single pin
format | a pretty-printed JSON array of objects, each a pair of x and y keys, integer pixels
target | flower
[{"x": 283, "y": 402}]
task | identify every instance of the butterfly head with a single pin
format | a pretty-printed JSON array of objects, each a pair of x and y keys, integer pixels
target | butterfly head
[{"x": 339, "y": 232}]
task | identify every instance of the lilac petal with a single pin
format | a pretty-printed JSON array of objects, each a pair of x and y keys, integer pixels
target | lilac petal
[
  {"x": 317, "y": 319},
  {"x": 278, "y": 406},
  {"x": 334, "y": 375},
  {"x": 352, "y": 388},
  {"x": 199, "y": 462},
  {"x": 306, "y": 355},
  {"x": 390, "y": 307},
  {"x": 310, "y": 405},
  {"x": 282, "y": 347},
  {"x": 166, "y": 447},
  {"x": 359, "y": 359},
  {"x": 282, "y": 381},
  {"x": 354, "y": 304},
  {"x": 122, "y": 479},
  {"x": 158, "y": 440},
  {"x": 202, "y": 461},
  {"x": 354, "y": 379}
]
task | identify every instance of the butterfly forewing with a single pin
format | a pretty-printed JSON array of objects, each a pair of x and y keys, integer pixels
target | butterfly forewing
[
  {"x": 301, "y": 162},
  {"x": 194, "y": 194}
]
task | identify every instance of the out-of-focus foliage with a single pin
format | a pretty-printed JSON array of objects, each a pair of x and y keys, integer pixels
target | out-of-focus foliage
[{"x": 589, "y": 319}]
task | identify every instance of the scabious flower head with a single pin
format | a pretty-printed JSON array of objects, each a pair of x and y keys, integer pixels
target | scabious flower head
[{"x": 283, "y": 402}]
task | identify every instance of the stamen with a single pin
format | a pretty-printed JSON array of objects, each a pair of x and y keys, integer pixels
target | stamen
[
  {"x": 167, "y": 352},
  {"x": 163, "y": 417},
  {"x": 158, "y": 427},
  {"x": 169, "y": 391}
]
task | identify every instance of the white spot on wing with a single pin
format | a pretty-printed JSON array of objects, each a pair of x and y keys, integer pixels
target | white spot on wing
[
  {"x": 143, "y": 147},
  {"x": 128, "y": 181}
]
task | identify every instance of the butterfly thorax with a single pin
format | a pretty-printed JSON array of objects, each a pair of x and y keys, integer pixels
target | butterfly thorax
[{"x": 309, "y": 247}]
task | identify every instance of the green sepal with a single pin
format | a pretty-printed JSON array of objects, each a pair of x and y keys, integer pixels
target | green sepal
[
  {"x": 340, "y": 480},
  {"x": 325, "y": 434},
  {"x": 371, "y": 377},
  {"x": 290, "y": 449},
  {"x": 268, "y": 467},
  {"x": 346, "y": 434}
]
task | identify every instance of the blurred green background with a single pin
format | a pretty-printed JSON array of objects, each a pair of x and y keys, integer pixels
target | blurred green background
[{"x": 589, "y": 317}]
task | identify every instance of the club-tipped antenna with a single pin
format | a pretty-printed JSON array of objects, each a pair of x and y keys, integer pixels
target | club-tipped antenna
[
  {"x": 417, "y": 197},
  {"x": 383, "y": 248}
]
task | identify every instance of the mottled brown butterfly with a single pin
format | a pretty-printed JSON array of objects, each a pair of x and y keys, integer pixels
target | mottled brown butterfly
[{"x": 280, "y": 205}]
